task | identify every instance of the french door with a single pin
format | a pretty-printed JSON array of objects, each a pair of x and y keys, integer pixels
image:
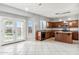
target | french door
[{"x": 11, "y": 30}]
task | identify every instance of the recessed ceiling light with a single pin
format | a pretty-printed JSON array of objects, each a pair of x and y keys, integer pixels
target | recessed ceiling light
[{"x": 26, "y": 9}]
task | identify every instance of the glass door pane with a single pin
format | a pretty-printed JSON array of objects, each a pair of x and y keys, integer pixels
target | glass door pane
[
  {"x": 30, "y": 25},
  {"x": 8, "y": 30},
  {"x": 13, "y": 30},
  {"x": 8, "y": 34},
  {"x": 19, "y": 30},
  {"x": 31, "y": 30}
]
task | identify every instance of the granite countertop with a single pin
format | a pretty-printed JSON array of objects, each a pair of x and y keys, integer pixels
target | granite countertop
[
  {"x": 64, "y": 31},
  {"x": 42, "y": 30},
  {"x": 61, "y": 29}
]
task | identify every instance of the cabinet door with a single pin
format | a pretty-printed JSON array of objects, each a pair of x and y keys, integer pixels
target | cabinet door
[
  {"x": 67, "y": 38},
  {"x": 75, "y": 35},
  {"x": 55, "y": 24},
  {"x": 58, "y": 36},
  {"x": 73, "y": 23},
  {"x": 36, "y": 36},
  {"x": 39, "y": 35}
]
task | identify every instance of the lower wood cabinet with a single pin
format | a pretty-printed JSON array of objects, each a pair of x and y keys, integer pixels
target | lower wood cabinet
[
  {"x": 67, "y": 37},
  {"x": 48, "y": 34},
  {"x": 64, "y": 37},
  {"x": 40, "y": 35},
  {"x": 75, "y": 35}
]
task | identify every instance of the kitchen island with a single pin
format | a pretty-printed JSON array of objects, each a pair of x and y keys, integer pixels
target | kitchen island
[{"x": 64, "y": 36}]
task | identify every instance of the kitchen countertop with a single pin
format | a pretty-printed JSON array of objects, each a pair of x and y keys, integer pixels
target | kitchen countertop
[
  {"x": 41, "y": 30},
  {"x": 56, "y": 30},
  {"x": 60, "y": 29},
  {"x": 64, "y": 31}
]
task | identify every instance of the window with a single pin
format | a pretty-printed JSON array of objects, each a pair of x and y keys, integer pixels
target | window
[
  {"x": 42, "y": 24},
  {"x": 30, "y": 25}
]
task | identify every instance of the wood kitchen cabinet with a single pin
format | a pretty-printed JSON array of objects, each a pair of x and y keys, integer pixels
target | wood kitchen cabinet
[
  {"x": 40, "y": 35},
  {"x": 75, "y": 35},
  {"x": 73, "y": 24},
  {"x": 64, "y": 37},
  {"x": 36, "y": 36},
  {"x": 48, "y": 34},
  {"x": 49, "y": 24},
  {"x": 58, "y": 36},
  {"x": 55, "y": 24},
  {"x": 53, "y": 33}
]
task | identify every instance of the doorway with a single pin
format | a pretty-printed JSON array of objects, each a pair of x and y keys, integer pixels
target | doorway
[
  {"x": 31, "y": 30},
  {"x": 12, "y": 30}
]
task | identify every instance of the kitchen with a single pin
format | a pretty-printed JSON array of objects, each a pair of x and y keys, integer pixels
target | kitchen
[
  {"x": 39, "y": 28},
  {"x": 63, "y": 31}
]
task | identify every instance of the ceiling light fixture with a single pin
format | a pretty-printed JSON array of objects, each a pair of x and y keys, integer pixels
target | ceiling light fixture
[{"x": 63, "y": 13}]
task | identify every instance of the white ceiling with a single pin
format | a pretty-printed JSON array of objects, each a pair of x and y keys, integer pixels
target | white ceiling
[{"x": 48, "y": 9}]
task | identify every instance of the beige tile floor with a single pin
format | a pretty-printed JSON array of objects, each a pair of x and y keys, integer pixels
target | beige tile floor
[{"x": 46, "y": 47}]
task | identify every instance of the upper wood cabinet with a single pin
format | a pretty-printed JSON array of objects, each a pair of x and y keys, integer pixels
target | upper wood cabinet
[
  {"x": 73, "y": 23},
  {"x": 55, "y": 24}
]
